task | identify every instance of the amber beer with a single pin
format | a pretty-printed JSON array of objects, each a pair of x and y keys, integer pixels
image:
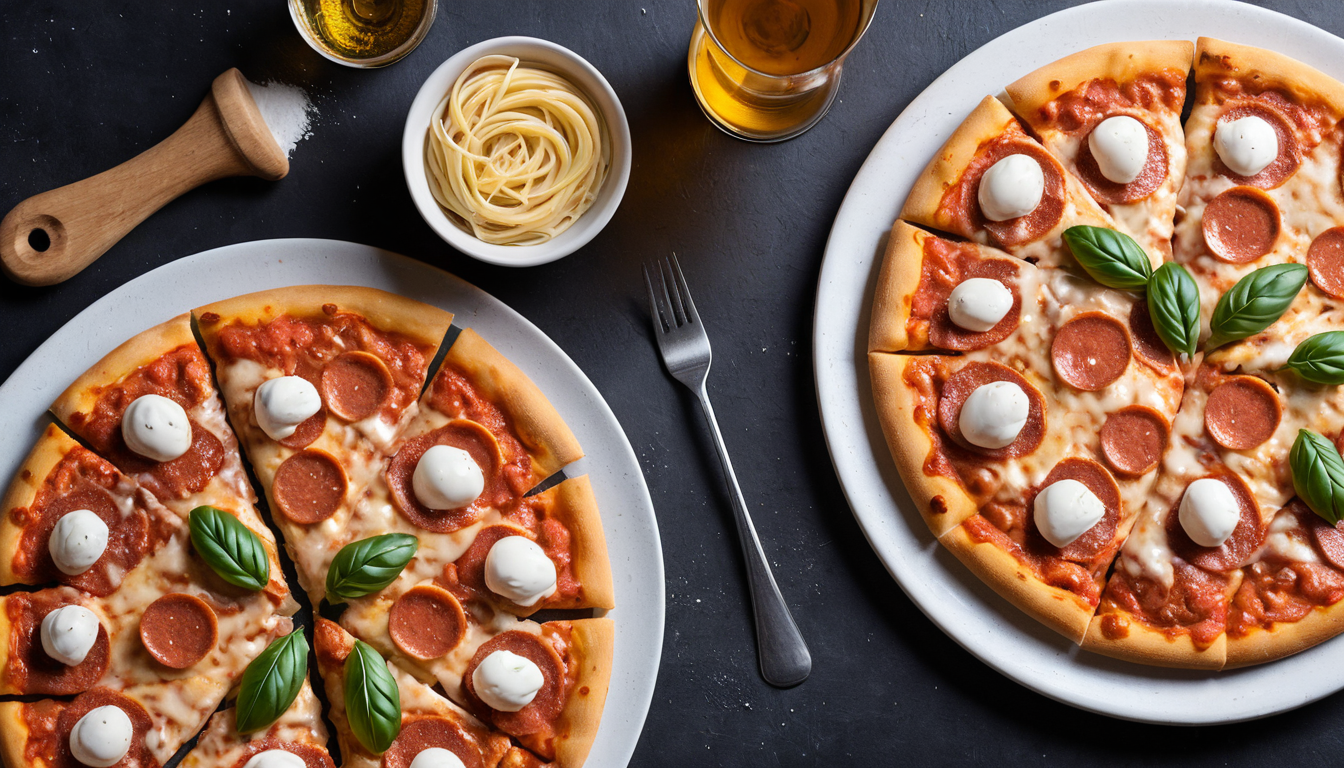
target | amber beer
[
  {"x": 363, "y": 33},
  {"x": 767, "y": 70}
]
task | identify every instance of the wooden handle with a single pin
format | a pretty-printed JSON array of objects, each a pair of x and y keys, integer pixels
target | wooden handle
[{"x": 52, "y": 236}]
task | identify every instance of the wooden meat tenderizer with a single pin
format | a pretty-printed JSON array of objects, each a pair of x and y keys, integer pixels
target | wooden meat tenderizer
[{"x": 52, "y": 236}]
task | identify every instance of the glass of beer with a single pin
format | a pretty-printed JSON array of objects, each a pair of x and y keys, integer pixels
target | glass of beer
[
  {"x": 363, "y": 33},
  {"x": 767, "y": 70}
]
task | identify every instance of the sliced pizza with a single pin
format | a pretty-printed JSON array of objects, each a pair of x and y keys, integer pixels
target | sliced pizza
[
  {"x": 319, "y": 381},
  {"x": 1112, "y": 114},
  {"x": 72, "y": 518},
  {"x": 299, "y": 732},
  {"x": 995, "y": 184}
]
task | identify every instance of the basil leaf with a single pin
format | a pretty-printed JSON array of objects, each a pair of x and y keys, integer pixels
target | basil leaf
[
  {"x": 1173, "y": 303},
  {"x": 1111, "y": 258},
  {"x": 1318, "y": 475},
  {"x": 230, "y": 548},
  {"x": 1255, "y": 302},
  {"x": 272, "y": 681},
  {"x": 1320, "y": 358},
  {"x": 368, "y": 565},
  {"x": 372, "y": 699}
]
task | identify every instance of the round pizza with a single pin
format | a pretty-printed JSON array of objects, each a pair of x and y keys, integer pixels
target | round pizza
[
  {"x": 1107, "y": 350},
  {"x": 416, "y": 479}
]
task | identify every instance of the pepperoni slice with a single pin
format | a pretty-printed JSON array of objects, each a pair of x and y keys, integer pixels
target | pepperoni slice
[
  {"x": 1146, "y": 183},
  {"x": 426, "y": 622},
  {"x": 1283, "y": 166},
  {"x": 30, "y": 669},
  {"x": 1325, "y": 261},
  {"x": 945, "y": 334},
  {"x": 1243, "y": 542},
  {"x": 1148, "y": 346},
  {"x": 423, "y": 733},
  {"x": 971, "y": 377},
  {"x": 1090, "y": 351},
  {"x": 1241, "y": 225},
  {"x": 543, "y": 709},
  {"x": 138, "y": 756},
  {"x": 179, "y": 478},
  {"x": 179, "y": 630},
  {"x": 1098, "y": 481},
  {"x": 309, "y": 487},
  {"x": 355, "y": 385},
  {"x": 313, "y": 757},
  {"x": 460, "y": 433},
  {"x": 1047, "y": 214},
  {"x": 471, "y": 565},
  {"x": 1329, "y": 539},
  {"x": 1242, "y": 412},
  {"x": 1133, "y": 439}
]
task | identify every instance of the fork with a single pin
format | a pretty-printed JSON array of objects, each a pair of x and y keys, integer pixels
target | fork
[{"x": 684, "y": 345}]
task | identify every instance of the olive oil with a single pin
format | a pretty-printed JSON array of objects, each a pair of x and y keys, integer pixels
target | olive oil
[{"x": 366, "y": 31}]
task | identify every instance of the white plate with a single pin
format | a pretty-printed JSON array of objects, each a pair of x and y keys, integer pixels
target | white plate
[
  {"x": 627, "y": 510},
  {"x": 963, "y": 607}
]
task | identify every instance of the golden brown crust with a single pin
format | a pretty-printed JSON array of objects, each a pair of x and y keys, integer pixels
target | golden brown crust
[
  {"x": 902, "y": 268},
  {"x": 49, "y": 450},
  {"x": 421, "y": 322},
  {"x": 1146, "y": 645},
  {"x": 1285, "y": 638},
  {"x": 1062, "y": 611},
  {"x": 138, "y": 351},
  {"x": 987, "y": 121},
  {"x": 13, "y": 734},
  {"x": 6, "y": 641},
  {"x": 575, "y": 506},
  {"x": 1217, "y": 59},
  {"x": 543, "y": 433},
  {"x": 1120, "y": 62},
  {"x": 592, "y": 641},
  {"x": 911, "y": 444}
]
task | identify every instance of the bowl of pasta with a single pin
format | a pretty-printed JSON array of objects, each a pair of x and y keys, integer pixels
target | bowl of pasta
[{"x": 516, "y": 151}]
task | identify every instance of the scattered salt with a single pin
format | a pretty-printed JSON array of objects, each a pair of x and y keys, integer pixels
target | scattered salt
[{"x": 287, "y": 112}]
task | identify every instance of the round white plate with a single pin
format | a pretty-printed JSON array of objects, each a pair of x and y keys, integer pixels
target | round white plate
[
  {"x": 627, "y": 511},
  {"x": 963, "y": 607}
]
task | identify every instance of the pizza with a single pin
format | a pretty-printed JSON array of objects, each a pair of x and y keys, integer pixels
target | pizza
[
  {"x": 422, "y": 504},
  {"x": 1106, "y": 351}
]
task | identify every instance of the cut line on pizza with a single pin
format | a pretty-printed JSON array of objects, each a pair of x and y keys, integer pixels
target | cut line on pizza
[
  {"x": 150, "y": 604},
  {"x": 1107, "y": 350}
]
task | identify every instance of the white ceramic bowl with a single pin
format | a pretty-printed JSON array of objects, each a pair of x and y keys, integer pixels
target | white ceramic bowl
[{"x": 555, "y": 58}]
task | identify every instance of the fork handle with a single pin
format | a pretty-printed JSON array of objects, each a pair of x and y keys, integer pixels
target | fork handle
[{"x": 784, "y": 658}]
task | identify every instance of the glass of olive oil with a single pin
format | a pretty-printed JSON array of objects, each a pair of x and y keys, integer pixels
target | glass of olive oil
[
  {"x": 363, "y": 33},
  {"x": 767, "y": 70}
]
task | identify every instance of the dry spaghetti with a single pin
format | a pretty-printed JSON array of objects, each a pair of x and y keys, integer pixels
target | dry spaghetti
[{"x": 515, "y": 153}]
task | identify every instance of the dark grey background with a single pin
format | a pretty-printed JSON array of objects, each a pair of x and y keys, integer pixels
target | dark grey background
[{"x": 86, "y": 84}]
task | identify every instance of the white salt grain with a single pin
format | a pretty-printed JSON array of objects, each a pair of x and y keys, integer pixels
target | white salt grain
[{"x": 287, "y": 112}]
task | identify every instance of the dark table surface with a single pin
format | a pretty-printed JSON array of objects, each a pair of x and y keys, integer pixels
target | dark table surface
[{"x": 86, "y": 85}]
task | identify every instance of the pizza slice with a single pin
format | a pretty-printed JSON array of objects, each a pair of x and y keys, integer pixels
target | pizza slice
[
  {"x": 994, "y": 184},
  {"x": 1112, "y": 114},
  {"x": 427, "y": 720},
  {"x": 298, "y": 732},
  {"x": 1263, "y": 175},
  {"x": 151, "y": 409},
  {"x": 319, "y": 381},
  {"x": 72, "y": 518}
]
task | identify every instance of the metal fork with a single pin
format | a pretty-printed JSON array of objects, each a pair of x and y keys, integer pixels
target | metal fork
[{"x": 784, "y": 658}]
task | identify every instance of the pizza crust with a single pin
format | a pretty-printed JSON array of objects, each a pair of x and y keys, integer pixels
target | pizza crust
[
  {"x": 1146, "y": 645},
  {"x": 989, "y": 120},
  {"x": 421, "y": 322},
  {"x": 1285, "y": 638},
  {"x": 1216, "y": 59},
  {"x": 544, "y": 434},
  {"x": 1120, "y": 62},
  {"x": 575, "y": 506},
  {"x": 1059, "y": 609},
  {"x": 576, "y": 728},
  {"x": 897, "y": 280},
  {"x": 13, "y": 734},
  {"x": 140, "y": 350},
  {"x": 46, "y": 454},
  {"x": 910, "y": 446}
]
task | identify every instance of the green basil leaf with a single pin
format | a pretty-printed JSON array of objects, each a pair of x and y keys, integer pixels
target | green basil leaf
[
  {"x": 1255, "y": 302},
  {"x": 272, "y": 681},
  {"x": 1111, "y": 258},
  {"x": 372, "y": 699},
  {"x": 230, "y": 548},
  {"x": 1320, "y": 358},
  {"x": 1173, "y": 303},
  {"x": 1318, "y": 475},
  {"x": 368, "y": 565}
]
